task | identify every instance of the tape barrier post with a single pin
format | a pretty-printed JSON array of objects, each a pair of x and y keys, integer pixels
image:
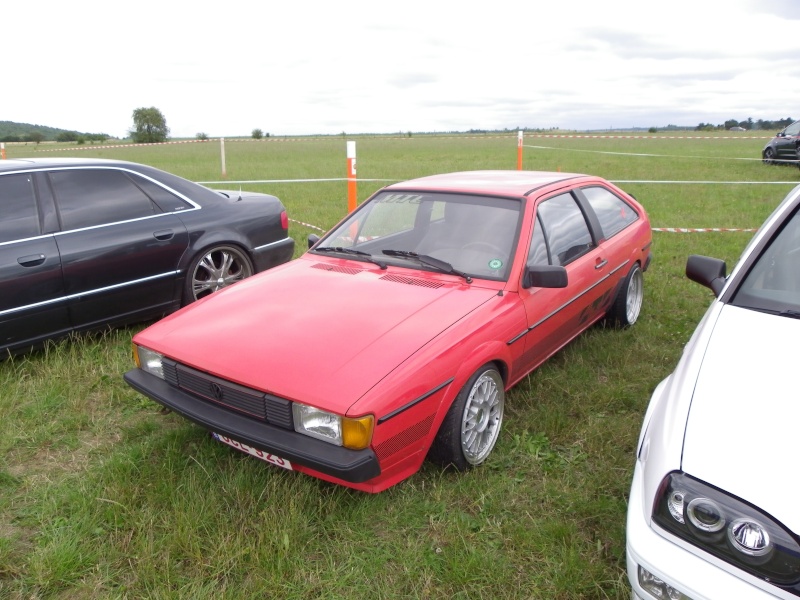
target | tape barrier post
[
  {"x": 519, "y": 150},
  {"x": 351, "y": 177},
  {"x": 222, "y": 154},
  {"x": 2, "y": 151}
]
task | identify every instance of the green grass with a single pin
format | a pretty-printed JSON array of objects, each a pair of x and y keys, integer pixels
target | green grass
[{"x": 102, "y": 495}]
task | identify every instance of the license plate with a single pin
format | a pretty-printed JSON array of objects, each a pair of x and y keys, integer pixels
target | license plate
[{"x": 265, "y": 456}]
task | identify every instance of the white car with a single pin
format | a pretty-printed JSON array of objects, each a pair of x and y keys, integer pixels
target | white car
[{"x": 714, "y": 509}]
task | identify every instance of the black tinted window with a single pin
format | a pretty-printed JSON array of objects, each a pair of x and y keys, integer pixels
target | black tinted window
[
  {"x": 88, "y": 197},
  {"x": 612, "y": 211},
  {"x": 167, "y": 201},
  {"x": 18, "y": 216},
  {"x": 565, "y": 229}
]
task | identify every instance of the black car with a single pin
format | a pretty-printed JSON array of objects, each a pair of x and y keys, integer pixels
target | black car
[
  {"x": 783, "y": 147},
  {"x": 88, "y": 243}
]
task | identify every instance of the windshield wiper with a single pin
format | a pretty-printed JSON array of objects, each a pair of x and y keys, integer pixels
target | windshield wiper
[
  {"x": 429, "y": 261},
  {"x": 353, "y": 251}
]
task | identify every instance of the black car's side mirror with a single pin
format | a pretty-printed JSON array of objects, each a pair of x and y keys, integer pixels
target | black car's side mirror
[
  {"x": 707, "y": 271},
  {"x": 313, "y": 238},
  {"x": 544, "y": 276}
]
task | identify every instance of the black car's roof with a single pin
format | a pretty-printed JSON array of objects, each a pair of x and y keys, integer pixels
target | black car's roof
[{"x": 17, "y": 164}]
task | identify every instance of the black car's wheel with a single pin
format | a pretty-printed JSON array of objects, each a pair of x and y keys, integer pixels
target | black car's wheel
[
  {"x": 472, "y": 424},
  {"x": 769, "y": 155},
  {"x": 214, "y": 269},
  {"x": 628, "y": 303}
]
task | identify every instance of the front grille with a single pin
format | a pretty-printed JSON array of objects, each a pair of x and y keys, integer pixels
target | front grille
[{"x": 265, "y": 407}]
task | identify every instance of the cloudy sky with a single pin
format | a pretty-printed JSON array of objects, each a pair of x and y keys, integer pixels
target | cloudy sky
[{"x": 355, "y": 66}]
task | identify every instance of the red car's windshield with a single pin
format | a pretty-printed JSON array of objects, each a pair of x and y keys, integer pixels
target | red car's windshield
[{"x": 475, "y": 234}]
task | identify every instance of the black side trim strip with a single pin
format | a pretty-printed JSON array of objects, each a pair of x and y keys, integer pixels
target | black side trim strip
[
  {"x": 414, "y": 402},
  {"x": 563, "y": 306}
]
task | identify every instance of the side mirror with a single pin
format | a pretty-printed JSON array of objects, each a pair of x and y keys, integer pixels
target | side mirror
[
  {"x": 312, "y": 239},
  {"x": 544, "y": 276},
  {"x": 709, "y": 272}
]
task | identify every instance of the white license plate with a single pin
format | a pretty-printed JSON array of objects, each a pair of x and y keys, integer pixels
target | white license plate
[{"x": 265, "y": 456}]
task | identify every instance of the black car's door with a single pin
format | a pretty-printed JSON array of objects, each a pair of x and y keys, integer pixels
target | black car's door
[
  {"x": 119, "y": 252},
  {"x": 32, "y": 302},
  {"x": 787, "y": 144}
]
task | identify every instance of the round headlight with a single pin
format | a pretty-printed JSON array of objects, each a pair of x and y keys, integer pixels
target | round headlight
[
  {"x": 706, "y": 515},
  {"x": 749, "y": 537}
]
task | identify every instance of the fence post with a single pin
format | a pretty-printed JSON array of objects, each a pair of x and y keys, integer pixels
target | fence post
[
  {"x": 2, "y": 151},
  {"x": 222, "y": 153},
  {"x": 352, "y": 197},
  {"x": 519, "y": 150}
]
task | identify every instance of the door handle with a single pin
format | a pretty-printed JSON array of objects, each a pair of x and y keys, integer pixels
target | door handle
[
  {"x": 32, "y": 260},
  {"x": 164, "y": 234},
  {"x": 600, "y": 263}
]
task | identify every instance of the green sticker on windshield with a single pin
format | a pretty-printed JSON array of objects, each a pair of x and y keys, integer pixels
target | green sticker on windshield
[{"x": 495, "y": 263}]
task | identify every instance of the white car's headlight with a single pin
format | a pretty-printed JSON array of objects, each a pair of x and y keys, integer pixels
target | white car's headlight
[
  {"x": 149, "y": 361},
  {"x": 728, "y": 528},
  {"x": 335, "y": 429}
]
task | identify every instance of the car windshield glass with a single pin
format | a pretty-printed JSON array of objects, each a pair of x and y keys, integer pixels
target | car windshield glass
[
  {"x": 476, "y": 235},
  {"x": 773, "y": 282}
]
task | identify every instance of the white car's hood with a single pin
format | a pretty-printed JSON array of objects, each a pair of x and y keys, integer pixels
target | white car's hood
[{"x": 742, "y": 431}]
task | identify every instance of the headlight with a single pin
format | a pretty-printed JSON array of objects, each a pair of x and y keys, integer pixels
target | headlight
[
  {"x": 149, "y": 361},
  {"x": 728, "y": 528},
  {"x": 355, "y": 434}
]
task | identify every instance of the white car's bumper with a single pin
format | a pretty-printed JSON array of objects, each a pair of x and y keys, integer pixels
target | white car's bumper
[{"x": 695, "y": 577}]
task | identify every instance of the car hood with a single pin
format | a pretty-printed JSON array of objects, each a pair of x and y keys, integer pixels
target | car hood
[
  {"x": 742, "y": 425},
  {"x": 317, "y": 331}
]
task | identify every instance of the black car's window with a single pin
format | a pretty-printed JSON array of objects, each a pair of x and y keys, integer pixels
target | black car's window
[
  {"x": 773, "y": 282},
  {"x": 793, "y": 129},
  {"x": 89, "y": 197},
  {"x": 612, "y": 211},
  {"x": 167, "y": 201},
  {"x": 565, "y": 228},
  {"x": 19, "y": 218}
]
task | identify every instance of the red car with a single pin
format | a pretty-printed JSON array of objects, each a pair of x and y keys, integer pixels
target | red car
[{"x": 396, "y": 336}]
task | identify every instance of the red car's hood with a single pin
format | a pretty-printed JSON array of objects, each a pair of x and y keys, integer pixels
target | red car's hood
[{"x": 317, "y": 331}]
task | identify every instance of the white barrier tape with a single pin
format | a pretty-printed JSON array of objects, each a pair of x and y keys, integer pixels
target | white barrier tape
[
  {"x": 647, "y": 137},
  {"x": 656, "y": 155},
  {"x": 227, "y": 181},
  {"x": 309, "y": 225}
]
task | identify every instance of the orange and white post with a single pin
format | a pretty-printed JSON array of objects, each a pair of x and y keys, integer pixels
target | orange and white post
[
  {"x": 3, "y": 151},
  {"x": 352, "y": 197},
  {"x": 519, "y": 150}
]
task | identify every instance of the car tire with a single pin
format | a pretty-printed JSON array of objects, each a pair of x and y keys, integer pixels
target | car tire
[
  {"x": 769, "y": 155},
  {"x": 213, "y": 269},
  {"x": 472, "y": 424},
  {"x": 628, "y": 303}
]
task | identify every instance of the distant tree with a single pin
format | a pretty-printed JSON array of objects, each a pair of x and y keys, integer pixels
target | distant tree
[
  {"x": 37, "y": 137},
  {"x": 67, "y": 136},
  {"x": 257, "y": 134},
  {"x": 201, "y": 136},
  {"x": 149, "y": 126},
  {"x": 652, "y": 130},
  {"x": 731, "y": 123}
]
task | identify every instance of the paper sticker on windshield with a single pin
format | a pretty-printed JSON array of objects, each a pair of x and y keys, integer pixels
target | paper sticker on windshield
[{"x": 495, "y": 263}]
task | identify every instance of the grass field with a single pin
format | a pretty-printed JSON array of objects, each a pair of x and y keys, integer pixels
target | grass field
[{"x": 102, "y": 495}]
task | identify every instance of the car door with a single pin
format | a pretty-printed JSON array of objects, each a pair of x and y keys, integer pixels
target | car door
[
  {"x": 562, "y": 236},
  {"x": 119, "y": 251},
  {"x": 786, "y": 145},
  {"x": 32, "y": 302}
]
